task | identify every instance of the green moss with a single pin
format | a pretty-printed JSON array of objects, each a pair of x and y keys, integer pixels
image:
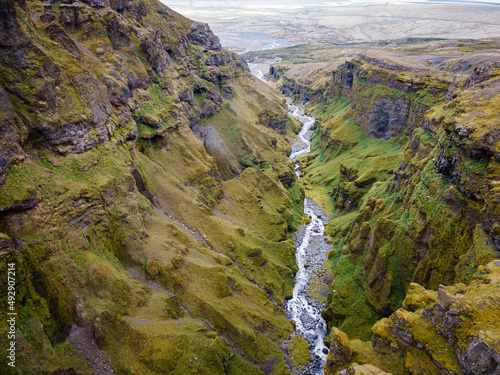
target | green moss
[
  {"x": 238, "y": 366},
  {"x": 293, "y": 126},
  {"x": 19, "y": 186},
  {"x": 38, "y": 353},
  {"x": 339, "y": 141},
  {"x": 397, "y": 94},
  {"x": 428, "y": 98},
  {"x": 297, "y": 198},
  {"x": 137, "y": 49},
  {"x": 376, "y": 91},
  {"x": 299, "y": 352},
  {"x": 155, "y": 110},
  {"x": 199, "y": 99},
  {"x": 473, "y": 165}
]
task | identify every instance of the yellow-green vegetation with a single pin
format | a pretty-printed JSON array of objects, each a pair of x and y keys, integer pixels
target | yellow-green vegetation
[
  {"x": 297, "y": 196},
  {"x": 338, "y": 141},
  {"x": 146, "y": 194},
  {"x": 433, "y": 332},
  {"x": 153, "y": 112},
  {"x": 292, "y": 127},
  {"x": 39, "y": 352},
  {"x": 299, "y": 352},
  {"x": 237, "y": 138}
]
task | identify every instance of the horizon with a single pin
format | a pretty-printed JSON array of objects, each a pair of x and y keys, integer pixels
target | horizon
[
  {"x": 242, "y": 26},
  {"x": 296, "y": 4}
]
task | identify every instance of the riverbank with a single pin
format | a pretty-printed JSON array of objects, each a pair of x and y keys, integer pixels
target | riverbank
[{"x": 311, "y": 248}]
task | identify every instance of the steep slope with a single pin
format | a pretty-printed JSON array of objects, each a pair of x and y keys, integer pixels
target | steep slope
[
  {"x": 143, "y": 195},
  {"x": 406, "y": 158}
]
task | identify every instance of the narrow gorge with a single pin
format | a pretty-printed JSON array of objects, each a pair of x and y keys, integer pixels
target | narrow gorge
[
  {"x": 405, "y": 159},
  {"x": 310, "y": 254},
  {"x": 167, "y": 212}
]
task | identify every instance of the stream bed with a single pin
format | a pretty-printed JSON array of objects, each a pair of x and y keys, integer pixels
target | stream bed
[{"x": 310, "y": 253}]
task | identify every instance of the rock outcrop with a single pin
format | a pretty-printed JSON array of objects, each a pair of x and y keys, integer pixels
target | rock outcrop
[
  {"x": 388, "y": 99},
  {"x": 453, "y": 331}
]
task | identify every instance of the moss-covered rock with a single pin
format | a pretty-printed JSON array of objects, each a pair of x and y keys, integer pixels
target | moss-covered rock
[
  {"x": 341, "y": 352},
  {"x": 454, "y": 332},
  {"x": 413, "y": 208}
]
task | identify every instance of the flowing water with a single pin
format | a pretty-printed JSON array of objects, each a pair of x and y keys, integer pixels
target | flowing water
[
  {"x": 310, "y": 253},
  {"x": 257, "y": 71}
]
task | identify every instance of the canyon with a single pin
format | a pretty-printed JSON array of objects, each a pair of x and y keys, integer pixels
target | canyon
[
  {"x": 156, "y": 199},
  {"x": 400, "y": 163}
]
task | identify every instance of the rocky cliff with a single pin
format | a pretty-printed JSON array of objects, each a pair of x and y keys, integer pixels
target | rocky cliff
[
  {"x": 145, "y": 196},
  {"x": 406, "y": 158},
  {"x": 451, "y": 331}
]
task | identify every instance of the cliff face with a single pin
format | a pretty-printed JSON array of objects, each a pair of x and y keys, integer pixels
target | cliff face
[
  {"x": 143, "y": 195},
  {"x": 408, "y": 154},
  {"x": 388, "y": 98}
]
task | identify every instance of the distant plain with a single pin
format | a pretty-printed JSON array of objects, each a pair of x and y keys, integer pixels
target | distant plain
[{"x": 249, "y": 26}]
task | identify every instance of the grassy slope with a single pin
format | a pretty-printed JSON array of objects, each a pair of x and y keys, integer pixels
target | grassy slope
[{"x": 176, "y": 269}]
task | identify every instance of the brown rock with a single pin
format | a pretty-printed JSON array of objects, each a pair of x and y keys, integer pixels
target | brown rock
[
  {"x": 341, "y": 352},
  {"x": 445, "y": 299}
]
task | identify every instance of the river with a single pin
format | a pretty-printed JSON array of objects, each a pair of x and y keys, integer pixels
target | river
[
  {"x": 258, "y": 71},
  {"x": 310, "y": 253}
]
